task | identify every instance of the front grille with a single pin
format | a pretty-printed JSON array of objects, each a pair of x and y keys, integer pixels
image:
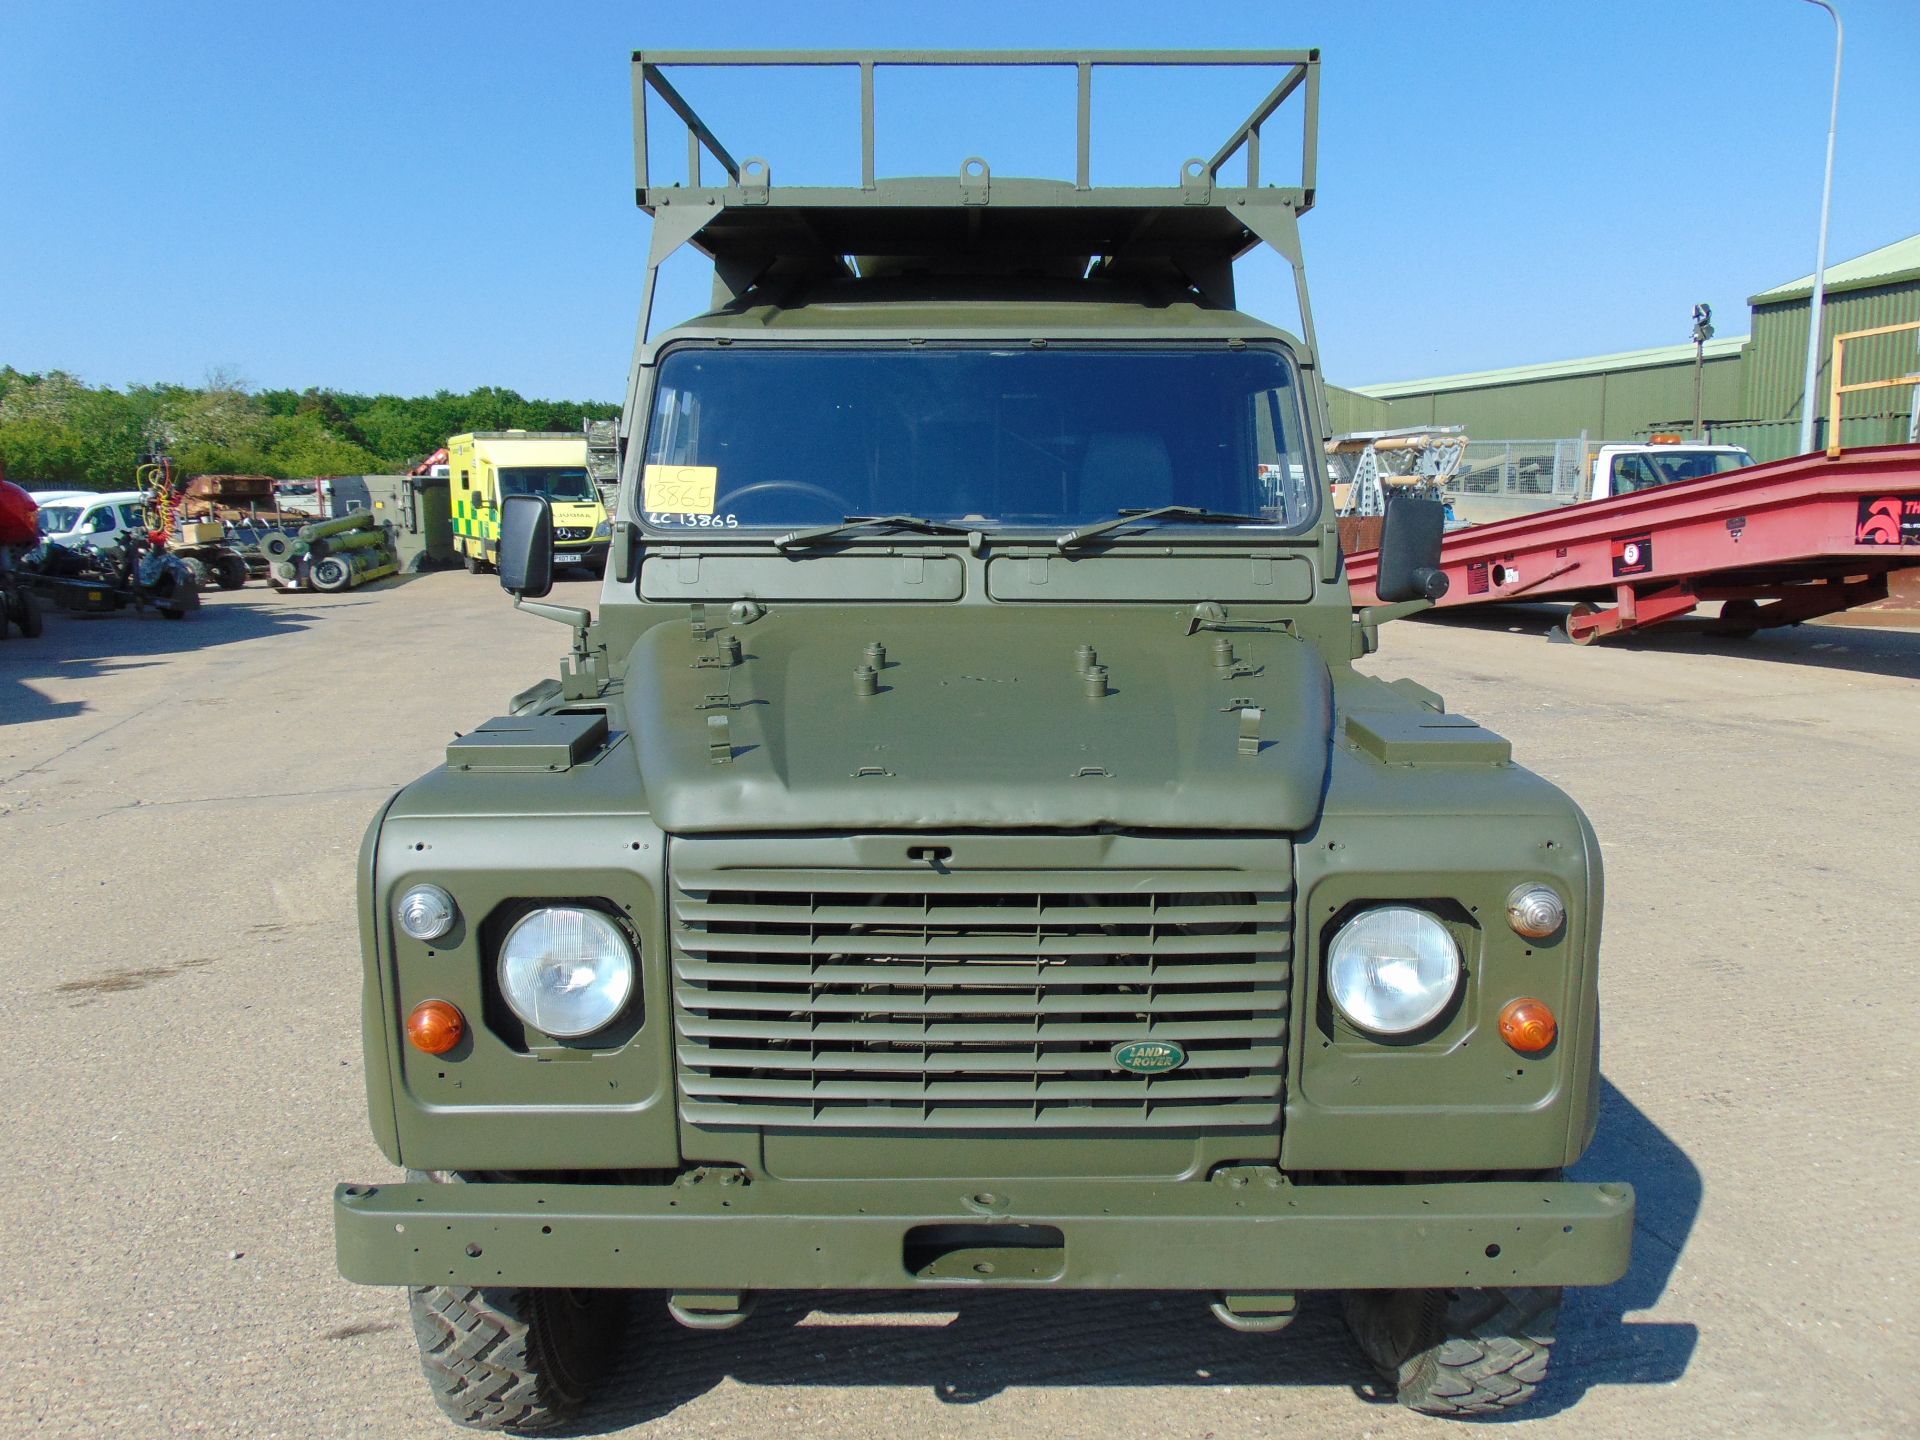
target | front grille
[
  {"x": 924, "y": 999},
  {"x": 573, "y": 532}
]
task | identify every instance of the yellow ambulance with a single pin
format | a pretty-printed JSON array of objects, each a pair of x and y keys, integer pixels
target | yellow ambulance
[{"x": 486, "y": 466}]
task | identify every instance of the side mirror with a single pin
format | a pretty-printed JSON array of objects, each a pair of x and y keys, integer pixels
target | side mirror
[
  {"x": 1409, "y": 549},
  {"x": 525, "y": 559}
]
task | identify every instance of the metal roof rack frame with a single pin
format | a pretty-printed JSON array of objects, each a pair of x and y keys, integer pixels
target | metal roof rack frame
[{"x": 747, "y": 223}]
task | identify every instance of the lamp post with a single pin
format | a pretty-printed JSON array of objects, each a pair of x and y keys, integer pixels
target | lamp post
[
  {"x": 1702, "y": 332},
  {"x": 1808, "y": 398}
]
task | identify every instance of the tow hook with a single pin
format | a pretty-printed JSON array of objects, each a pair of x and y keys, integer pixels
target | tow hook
[
  {"x": 711, "y": 1309},
  {"x": 1254, "y": 1314}
]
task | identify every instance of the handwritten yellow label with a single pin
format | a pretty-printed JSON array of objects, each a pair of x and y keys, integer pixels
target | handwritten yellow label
[{"x": 681, "y": 489}]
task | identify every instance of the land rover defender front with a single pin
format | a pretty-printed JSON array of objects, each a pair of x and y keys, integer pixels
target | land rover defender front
[{"x": 961, "y": 852}]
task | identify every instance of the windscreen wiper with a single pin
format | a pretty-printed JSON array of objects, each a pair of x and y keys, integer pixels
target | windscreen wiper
[
  {"x": 1187, "y": 514},
  {"x": 797, "y": 539}
]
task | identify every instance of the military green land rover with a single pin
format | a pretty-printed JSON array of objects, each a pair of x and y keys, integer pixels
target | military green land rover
[{"x": 960, "y": 853}]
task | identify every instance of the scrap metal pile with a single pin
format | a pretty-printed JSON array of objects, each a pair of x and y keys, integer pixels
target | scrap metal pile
[
  {"x": 135, "y": 573},
  {"x": 603, "y": 459},
  {"x": 331, "y": 555},
  {"x": 249, "y": 501},
  {"x": 1366, "y": 463}
]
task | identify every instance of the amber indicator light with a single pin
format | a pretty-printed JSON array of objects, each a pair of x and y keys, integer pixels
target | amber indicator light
[
  {"x": 436, "y": 1026},
  {"x": 1528, "y": 1025}
]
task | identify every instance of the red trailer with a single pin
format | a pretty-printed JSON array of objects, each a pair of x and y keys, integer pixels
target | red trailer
[{"x": 1777, "y": 543}]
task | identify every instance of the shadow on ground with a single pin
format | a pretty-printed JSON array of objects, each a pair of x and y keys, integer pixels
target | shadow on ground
[
  {"x": 83, "y": 647},
  {"x": 1891, "y": 652},
  {"x": 1599, "y": 1344},
  {"x": 967, "y": 1348}
]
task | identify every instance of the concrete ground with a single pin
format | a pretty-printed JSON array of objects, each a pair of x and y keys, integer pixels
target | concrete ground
[{"x": 180, "y": 806}]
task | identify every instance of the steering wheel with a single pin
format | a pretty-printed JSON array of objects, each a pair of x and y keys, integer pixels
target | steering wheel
[{"x": 839, "y": 504}]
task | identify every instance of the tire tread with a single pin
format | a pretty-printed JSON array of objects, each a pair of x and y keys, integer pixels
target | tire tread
[
  {"x": 509, "y": 1359},
  {"x": 1458, "y": 1352}
]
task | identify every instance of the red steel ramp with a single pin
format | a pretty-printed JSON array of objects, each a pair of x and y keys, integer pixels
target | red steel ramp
[{"x": 1776, "y": 543}]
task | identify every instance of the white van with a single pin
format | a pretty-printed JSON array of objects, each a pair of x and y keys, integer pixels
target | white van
[{"x": 85, "y": 518}]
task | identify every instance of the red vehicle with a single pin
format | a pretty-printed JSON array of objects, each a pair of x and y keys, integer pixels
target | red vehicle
[
  {"x": 19, "y": 530},
  {"x": 19, "y": 523}
]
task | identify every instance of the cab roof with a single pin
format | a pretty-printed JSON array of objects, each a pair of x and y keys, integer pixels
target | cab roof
[
  {"x": 92, "y": 497},
  {"x": 910, "y": 307}
]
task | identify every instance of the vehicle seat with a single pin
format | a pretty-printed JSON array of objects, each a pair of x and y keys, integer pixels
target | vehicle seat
[{"x": 1125, "y": 470}]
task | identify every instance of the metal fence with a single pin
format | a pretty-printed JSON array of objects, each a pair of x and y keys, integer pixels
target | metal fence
[{"x": 1516, "y": 469}]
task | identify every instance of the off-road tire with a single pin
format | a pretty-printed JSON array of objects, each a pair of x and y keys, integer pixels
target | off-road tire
[
  {"x": 1457, "y": 1352},
  {"x": 230, "y": 572},
  {"x": 26, "y": 615},
  {"x": 512, "y": 1359}
]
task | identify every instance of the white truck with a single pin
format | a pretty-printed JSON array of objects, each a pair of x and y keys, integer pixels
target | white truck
[
  {"x": 1623, "y": 469},
  {"x": 1500, "y": 479}
]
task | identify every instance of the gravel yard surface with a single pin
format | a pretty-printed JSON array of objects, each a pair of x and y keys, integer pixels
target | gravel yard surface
[{"x": 180, "y": 811}]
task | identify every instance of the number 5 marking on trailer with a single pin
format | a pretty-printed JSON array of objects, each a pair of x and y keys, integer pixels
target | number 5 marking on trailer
[{"x": 1633, "y": 555}]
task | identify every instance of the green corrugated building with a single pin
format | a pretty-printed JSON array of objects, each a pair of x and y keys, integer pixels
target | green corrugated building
[
  {"x": 1750, "y": 384},
  {"x": 1607, "y": 396},
  {"x": 1881, "y": 287}
]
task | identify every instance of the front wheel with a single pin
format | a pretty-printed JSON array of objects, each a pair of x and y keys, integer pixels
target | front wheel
[
  {"x": 513, "y": 1359},
  {"x": 1457, "y": 1352}
]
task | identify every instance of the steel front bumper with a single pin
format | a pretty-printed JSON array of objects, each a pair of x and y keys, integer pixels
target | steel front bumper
[{"x": 1258, "y": 1234}]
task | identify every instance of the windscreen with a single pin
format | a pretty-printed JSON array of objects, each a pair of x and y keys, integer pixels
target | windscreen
[
  {"x": 58, "y": 519},
  {"x": 1692, "y": 464},
  {"x": 555, "y": 482},
  {"x": 1000, "y": 438}
]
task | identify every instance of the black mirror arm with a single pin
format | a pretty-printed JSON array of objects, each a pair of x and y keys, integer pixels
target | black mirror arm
[
  {"x": 1375, "y": 616},
  {"x": 570, "y": 615},
  {"x": 1369, "y": 618}
]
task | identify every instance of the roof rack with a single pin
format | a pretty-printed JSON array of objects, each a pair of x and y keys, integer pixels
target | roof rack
[
  {"x": 1196, "y": 226},
  {"x": 1302, "y": 70}
]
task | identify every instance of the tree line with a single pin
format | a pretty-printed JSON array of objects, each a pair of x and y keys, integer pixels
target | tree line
[{"x": 56, "y": 431}]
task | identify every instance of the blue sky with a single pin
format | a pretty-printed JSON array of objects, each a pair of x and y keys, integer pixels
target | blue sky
[{"x": 406, "y": 197}]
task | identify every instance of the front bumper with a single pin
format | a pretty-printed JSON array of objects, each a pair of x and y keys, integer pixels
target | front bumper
[{"x": 1261, "y": 1234}]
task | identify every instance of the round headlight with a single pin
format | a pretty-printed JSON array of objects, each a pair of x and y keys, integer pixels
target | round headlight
[
  {"x": 1392, "y": 969},
  {"x": 425, "y": 912},
  {"x": 566, "y": 970}
]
